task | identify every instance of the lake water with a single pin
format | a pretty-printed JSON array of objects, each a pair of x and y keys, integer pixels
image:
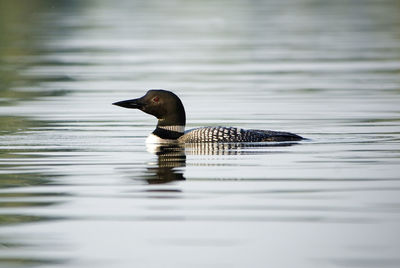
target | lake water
[{"x": 79, "y": 187}]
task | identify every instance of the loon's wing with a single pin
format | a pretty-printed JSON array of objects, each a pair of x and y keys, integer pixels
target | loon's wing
[
  {"x": 232, "y": 134},
  {"x": 269, "y": 135}
]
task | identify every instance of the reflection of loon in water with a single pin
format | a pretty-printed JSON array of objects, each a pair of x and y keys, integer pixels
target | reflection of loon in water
[
  {"x": 171, "y": 158},
  {"x": 169, "y": 110}
]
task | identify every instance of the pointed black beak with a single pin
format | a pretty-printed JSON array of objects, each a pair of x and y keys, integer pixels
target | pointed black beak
[{"x": 132, "y": 104}]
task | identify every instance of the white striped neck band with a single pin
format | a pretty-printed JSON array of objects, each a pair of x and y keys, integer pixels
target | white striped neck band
[{"x": 176, "y": 128}]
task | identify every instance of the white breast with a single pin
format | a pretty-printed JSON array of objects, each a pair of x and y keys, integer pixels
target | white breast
[{"x": 153, "y": 139}]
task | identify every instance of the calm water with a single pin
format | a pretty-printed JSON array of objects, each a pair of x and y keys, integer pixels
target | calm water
[{"x": 79, "y": 188}]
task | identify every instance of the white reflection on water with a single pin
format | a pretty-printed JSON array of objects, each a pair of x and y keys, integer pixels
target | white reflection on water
[{"x": 78, "y": 187}]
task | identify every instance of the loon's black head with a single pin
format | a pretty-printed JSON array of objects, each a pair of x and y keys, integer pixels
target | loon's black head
[{"x": 163, "y": 104}]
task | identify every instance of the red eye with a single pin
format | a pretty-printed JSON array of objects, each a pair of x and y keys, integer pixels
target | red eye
[{"x": 156, "y": 99}]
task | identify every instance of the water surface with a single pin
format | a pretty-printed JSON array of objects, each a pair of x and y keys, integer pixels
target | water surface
[{"x": 79, "y": 187}]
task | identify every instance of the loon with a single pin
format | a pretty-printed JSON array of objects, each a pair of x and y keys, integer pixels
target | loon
[{"x": 169, "y": 110}]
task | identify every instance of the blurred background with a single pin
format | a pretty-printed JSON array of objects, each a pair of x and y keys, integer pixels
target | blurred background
[{"x": 79, "y": 187}]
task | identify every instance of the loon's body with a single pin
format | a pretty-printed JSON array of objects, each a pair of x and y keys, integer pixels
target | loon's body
[{"x": 169, "y": 110}]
